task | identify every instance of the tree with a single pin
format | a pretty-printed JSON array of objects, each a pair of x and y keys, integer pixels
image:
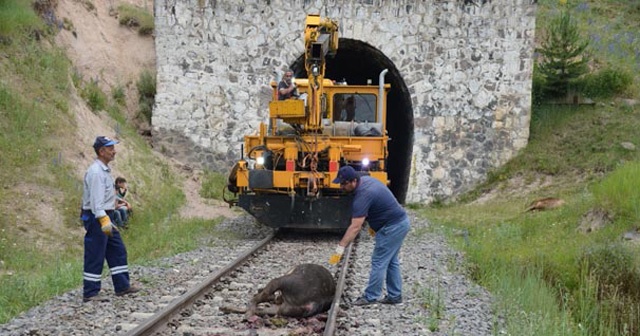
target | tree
[{"x": 563, "y": 58}]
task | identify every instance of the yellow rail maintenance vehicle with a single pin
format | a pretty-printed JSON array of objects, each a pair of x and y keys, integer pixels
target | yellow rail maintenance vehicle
[{"x": 284, "y": 177}]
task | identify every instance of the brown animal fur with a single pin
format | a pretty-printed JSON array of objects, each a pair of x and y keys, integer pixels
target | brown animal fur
[
  {"x": 305, "y": 291},
  {"x": 546, "y": 203}
]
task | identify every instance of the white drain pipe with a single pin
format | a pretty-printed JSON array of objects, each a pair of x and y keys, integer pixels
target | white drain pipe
[{"x": 381, "y": 93}]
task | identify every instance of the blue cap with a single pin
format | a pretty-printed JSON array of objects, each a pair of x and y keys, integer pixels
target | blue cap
[
  {"x": 103, "y": 141},
  {"x": 346, "y": 173}
]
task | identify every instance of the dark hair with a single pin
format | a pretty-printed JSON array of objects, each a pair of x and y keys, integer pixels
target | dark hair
[{"x": 120, "y": 179}]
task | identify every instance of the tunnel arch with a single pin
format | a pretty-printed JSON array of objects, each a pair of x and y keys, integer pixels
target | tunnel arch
[{"x": 357, "y": 61}]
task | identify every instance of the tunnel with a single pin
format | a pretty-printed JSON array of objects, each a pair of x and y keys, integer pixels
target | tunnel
[{"x": 356, "y": 62}]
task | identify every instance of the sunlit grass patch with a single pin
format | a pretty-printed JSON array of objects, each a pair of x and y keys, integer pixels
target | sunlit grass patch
[
  {"x": 133, "y": 16},
  {"x": 213, "y": 184},
  {"x": 620, "y": 192},
  {"x": 36, "y": 281},
  {"x": 524, "y": 257},
  {"x": 171, "y": 235},
  {"x": 16, "y": 19}
]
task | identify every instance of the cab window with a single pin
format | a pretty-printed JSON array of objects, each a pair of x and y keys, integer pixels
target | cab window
[{"x": 354, "y": 107}]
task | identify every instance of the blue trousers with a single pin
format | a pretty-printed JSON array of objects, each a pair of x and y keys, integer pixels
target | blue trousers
[
  {"x": 121, "y": 216},
  {"x": 98, "y": 247},
  {"x": 385, "y": 266}
]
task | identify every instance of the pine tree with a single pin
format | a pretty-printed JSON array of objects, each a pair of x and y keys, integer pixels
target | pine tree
[{"x": 563, "y": 55}]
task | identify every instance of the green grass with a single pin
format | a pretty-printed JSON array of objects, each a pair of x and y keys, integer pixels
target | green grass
[
  {"x": 36, "y": 126},
  {"x": 212, "y": 185},
  {"x": 524, "y": 257},
  {"x": 572, "y": 143},
  {"x": 549, "y": 278},
  {"x": 133, "y": 16},
  {"x": 612, "y": 28},
  {"x": 16, "y": 18},
  {"x": 620, "y": 192},
  {"x": 30, "y": 277},
  {"x": 146, "y": 86},
  {"x": 433, "y": 303},
  {"x": 118, "y": 95},
  {"x": 539, "y": 313},
  {"x": 579, "y": 150},
  {"x": 167, "y": 236},
  {"x": 93, "y": 95}
]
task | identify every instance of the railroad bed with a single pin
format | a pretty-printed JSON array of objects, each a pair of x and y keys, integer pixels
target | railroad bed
[
  {"x": 244, "y": 278},
  {"x": 439, "y": 300}
]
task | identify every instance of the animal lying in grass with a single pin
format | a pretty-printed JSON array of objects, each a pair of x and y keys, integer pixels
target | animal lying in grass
[
  {"x": 546, "y": 203},
  {"x": 306, "y": 290}
]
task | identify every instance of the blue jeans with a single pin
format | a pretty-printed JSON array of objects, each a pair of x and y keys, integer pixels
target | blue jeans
[
  {"x": 384, "y": 261},
  {"x": 121, "y": 216}
]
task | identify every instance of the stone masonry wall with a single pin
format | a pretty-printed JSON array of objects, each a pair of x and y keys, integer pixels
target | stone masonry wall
[{"x": 467, "y": 65}]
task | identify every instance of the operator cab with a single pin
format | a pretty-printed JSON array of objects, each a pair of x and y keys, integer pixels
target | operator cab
[{"x": 347, "y": 110}]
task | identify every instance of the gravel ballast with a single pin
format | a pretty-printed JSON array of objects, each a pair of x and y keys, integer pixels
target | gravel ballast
[{"x": 438, "y": 299}]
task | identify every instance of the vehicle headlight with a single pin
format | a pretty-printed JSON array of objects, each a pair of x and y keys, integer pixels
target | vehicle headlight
[{"x": 260, "y": 160}]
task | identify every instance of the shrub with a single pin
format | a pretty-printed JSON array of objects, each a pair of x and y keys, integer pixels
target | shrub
[
  {"x": 146, "y": 86},
  {"x": 613, "y": 266},
  {"x": 76, "y": 78},
  {"x": 136, "y": 17},
  {"x": 118, "y": 95},
  {"x": 145, "y": 109},
  {"x": 93, "y": 95},
  {"x": 617, "y": 285},
  {"x": 606, "y": 83}
]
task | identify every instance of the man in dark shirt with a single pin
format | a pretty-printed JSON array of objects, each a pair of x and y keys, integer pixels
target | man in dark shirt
[
  {"x": 350, "y": 108},
  {"x": 287, "y": 88},
  {"x": 387, "y": 219}
]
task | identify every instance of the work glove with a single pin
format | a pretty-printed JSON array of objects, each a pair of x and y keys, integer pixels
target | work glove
[
  {"x": 106, "y": 226},
  {"x": 335, "y": 258},
  {"x": 371, "y": 232}
]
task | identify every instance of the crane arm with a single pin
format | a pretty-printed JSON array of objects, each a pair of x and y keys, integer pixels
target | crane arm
[{"x": 321, "y": 40}]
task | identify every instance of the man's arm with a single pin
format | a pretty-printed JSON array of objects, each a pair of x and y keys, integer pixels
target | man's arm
[
  {"x": 352, "y": 231},
  {"x": 284, "y": 89}
]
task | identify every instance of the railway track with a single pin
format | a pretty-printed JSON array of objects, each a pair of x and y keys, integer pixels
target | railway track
[
  {"x": 197, "y": 311},
  {"x": 432, "y": 283}
]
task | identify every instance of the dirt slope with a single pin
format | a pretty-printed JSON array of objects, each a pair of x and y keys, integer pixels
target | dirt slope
[{"x": 112, "y": 55}]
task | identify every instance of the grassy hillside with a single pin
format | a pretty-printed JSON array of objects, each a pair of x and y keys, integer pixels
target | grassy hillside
[
  {"x": 46, "y": 108},
  {"x": 549, "y": 277},
  {"x": 553, "y": 275}
]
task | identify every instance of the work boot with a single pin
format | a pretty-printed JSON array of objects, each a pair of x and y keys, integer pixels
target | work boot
[
  {"x": 392, "y": 301},
  {"x": 128, "y": 291},
  {"x": 95, "y": 298},
  {"x": 362, "y": 301}
]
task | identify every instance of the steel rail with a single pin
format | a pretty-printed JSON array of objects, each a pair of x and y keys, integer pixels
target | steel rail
[
  {"x": 330, "y": 326},
  {"x": 157, "y": 321}
]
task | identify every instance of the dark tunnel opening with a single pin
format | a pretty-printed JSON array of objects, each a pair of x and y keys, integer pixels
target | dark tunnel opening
[{"x": 356, "y": 62}]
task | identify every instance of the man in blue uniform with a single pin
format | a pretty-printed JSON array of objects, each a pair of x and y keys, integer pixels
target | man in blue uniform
[
  {"x": 102, "y": 240},
  {"x": 387, "y": 219}
]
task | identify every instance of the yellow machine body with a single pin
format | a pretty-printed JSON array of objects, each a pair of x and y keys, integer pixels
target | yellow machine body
[{"x": 285, "y": 175}]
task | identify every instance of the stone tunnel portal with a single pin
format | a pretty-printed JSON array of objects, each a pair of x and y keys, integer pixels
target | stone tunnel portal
[{"x": 356, "y": 62}]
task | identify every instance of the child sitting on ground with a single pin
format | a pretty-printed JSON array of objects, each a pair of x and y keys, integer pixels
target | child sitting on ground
[{"x": 123, "y": 208}]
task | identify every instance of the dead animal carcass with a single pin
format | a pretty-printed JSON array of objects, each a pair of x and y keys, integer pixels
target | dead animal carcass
[
  {"x": 306, "y": 290},
  {"x": 546, "y": 203}
]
